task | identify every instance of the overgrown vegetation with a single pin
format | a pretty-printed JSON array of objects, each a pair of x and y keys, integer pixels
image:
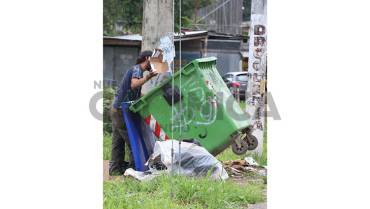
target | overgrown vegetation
[
  {"x": 187, "y": 193},
  {"x": 195, "y": 193},
  {"x": 129, "y": 14},
  {"x": 226, "y": 155},
  {"x": 242, "y": 105},
  {"x": 188, "y": 12},
  {"x": 262, "y": 160},
  {"x": 107, "y": 143},
  {"x": 107, "y": 151},
  {"x": 108, "y": 96}
]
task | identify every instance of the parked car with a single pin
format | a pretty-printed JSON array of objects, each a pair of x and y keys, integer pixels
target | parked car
[{"x": 235, "y": 80}]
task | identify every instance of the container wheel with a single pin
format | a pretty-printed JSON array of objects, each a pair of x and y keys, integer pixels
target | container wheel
[
  {"x": 252, "y": 142},
  {"x": 240, "y": 149}
]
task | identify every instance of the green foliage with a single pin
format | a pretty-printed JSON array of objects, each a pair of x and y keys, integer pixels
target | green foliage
[
  {"x": 228, "y": 154},
  {"x": 130, "y": 13},
  {"x": 262, "y": 160},
  {"x": 107, "y": 148},
  {"x": 107, "y": 144},
  {"x": 242, "y": 105},
  {"x": 187, "y": 193},
  {"x": 108, "y": 96},
  {"x": 188, "y": 12}
]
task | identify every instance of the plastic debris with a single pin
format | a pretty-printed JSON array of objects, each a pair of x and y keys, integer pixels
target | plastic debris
[
  {"x": 195, "y": 161},
  {"x": 141, "y": 176},
  {"x": 166, "y": 44},
  {"x": 238, "y": 168},
  {"x": 251, "y": 161}
]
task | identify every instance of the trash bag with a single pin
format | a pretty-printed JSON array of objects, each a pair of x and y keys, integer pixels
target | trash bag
[
  {"x": 195, "y": 160},
  {"x": 171, "y": 95}
]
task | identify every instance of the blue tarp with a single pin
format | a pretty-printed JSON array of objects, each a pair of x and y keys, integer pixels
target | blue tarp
[{"x": 138, "y": 148}]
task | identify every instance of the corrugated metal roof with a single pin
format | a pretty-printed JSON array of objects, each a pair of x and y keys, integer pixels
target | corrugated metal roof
[
  {"x": 133, "y": 37},
  {"x": 138, "y": 37},
  {"x": 191, "y": 33}
]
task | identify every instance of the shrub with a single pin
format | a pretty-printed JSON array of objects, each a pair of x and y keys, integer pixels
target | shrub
[{"x": 108, "y": 96}]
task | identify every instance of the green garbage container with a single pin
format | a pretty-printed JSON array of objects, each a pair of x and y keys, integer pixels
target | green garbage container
[{"x": 206, "y": 110}]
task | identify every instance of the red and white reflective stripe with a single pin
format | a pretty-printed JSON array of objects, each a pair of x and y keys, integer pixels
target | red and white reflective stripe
[{"x": 156, "y": 128}]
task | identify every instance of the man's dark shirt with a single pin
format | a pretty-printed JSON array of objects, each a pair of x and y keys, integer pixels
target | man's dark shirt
[{"x": 124, "y": 92}]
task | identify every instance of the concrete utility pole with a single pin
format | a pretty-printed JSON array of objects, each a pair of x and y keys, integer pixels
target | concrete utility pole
[
  {"x": 157, "y": 22},
  {"x": 256, "y": 94}
]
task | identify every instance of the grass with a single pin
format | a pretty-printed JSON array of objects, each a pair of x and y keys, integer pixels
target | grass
[
  {"x": 107, "y": 143},
  {"x": 242, "y": 104},
  {"x": 187, "y": 193},
  {"x": 228, "y": 154},
  {"x": 262, "y": 160},
  {"x": 224, "y": 156}
]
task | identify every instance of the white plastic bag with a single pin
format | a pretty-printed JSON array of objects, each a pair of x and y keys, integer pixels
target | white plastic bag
[{"x": 195, "y": 160}]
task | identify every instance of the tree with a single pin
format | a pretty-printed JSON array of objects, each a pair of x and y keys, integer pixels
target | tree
[
  {"x": 127, "y": 12},
  {"x": 188, "y": 12},
  {"x": 130, "y": 14}
]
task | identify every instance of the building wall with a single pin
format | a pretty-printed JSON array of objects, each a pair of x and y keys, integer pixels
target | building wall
[
  {"x": 227, "y": 53},
  {"x": 191, "y": 49},
  {"x": 117, "y": 60},
  {"x": 226, "y": 62},
  {"x": 186, "y": 57}
]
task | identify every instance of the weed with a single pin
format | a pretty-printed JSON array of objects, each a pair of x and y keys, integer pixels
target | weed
[
  {"x": 107, "y": 143},
  {"x": 107, "y": 148},
  {"x": 187, "y": 192},
  {"x": 228, "y": 154}
]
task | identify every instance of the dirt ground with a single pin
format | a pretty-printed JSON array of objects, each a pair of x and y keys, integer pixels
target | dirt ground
[
  {"x": 258, "y": 206},
  {"x": 106, "y": 176}
]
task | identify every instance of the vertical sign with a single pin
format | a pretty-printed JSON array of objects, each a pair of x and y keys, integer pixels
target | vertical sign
[{"x": 257, "y": 71}]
